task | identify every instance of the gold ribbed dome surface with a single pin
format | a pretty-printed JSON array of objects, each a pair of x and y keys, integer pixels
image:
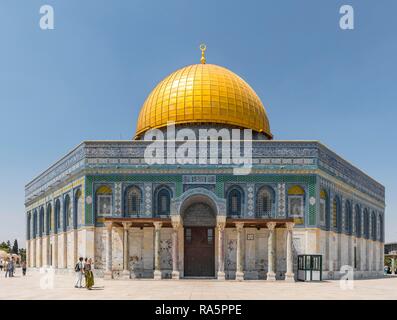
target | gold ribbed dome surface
[{"x": 203, "y": 93}]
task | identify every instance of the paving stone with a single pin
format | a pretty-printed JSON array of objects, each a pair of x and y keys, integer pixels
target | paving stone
[{"x": 34, "y": 286}]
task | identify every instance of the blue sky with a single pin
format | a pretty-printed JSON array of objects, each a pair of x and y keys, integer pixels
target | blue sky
[{"x": 88, "y": 78}]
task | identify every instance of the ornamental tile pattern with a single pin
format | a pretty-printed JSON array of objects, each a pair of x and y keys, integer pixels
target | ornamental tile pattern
[
  {"x": 281, "y": 199},
  {"x": 277, "y": 163},
  {"x": 117, "y": 199},
  {"x": 251, "y": 199},
  {"x": 148, "y": 198},
  {"x": 272, "y": 154}
]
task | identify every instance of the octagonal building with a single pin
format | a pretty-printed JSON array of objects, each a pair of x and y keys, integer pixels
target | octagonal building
[{"x": 140, "y": 219}]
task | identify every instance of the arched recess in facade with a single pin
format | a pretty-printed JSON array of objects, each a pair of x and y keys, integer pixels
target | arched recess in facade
[
  {"x": 162, "y": 200},
  {"x": 381, "y": 237},
  {"x": 198, "y": 211},
  {"x": 178, "y": 205},
  {"x": 78, "y": 208},
  {"x": 235, "y": 201},
  {"x": 68, "y": 214},
  {"x": 358, "y": 227},
  {"x": 133, "y": 201}
]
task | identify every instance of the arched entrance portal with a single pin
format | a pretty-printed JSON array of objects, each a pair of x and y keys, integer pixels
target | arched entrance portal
[{"x": 199, "y": 220}]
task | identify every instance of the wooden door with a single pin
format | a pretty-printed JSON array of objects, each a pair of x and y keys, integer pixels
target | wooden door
[{"x": 199, "y": 252}]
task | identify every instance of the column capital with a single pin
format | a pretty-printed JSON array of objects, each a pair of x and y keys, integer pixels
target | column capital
[
  {"x": 157, "y": 225},
  {"x": 175, "y": 224},
  {"x": 289, "y": 225},
  {"x": 108, "y": 224},
  {"x": 271, "y": 225},
  {"x": 176, "y": 219},
  {"x": 126, "y": 225},
  {"x": 221, "y": 226},
  {"x": 239, "y": 225},
  {"x": 221, "y": 219}
]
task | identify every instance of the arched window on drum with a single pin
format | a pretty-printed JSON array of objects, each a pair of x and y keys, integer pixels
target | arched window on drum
[
  {"x": 296, "y": 202},
  {"x": 133, "y": 201},
  {"x": 104, "y": 201}
]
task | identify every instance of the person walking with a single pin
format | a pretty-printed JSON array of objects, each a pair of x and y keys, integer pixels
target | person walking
[
  {"x": 10, "y": 268},
  {"x": 24, "y": 268},
  {"x": 79, "y": 268},
  {"x": 85, "y": 277},
  {"x": 89, "y": 276},
  {"x": 1, "y": 264},
  {"x": 6, "y": 267}
]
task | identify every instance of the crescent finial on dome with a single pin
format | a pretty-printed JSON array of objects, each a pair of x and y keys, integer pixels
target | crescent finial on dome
[{"x": 203, "y": 47}]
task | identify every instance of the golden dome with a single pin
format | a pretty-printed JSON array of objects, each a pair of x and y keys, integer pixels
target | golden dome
[{"x": 203, "y": 93}]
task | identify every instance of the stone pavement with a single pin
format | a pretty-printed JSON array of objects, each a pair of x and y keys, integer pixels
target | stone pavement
[{"x": 33, "y": 286}]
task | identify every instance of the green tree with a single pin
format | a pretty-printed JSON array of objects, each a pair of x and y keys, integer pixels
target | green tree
[
  {"x": 8, "y": 245},
  {"x": 15, "y": 247},
  {"x": 388, "y": 261},
  {"x": 22, "y": 253},
  {"x": 4, "y": 247}
]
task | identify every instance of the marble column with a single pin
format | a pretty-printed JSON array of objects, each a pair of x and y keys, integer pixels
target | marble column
[
  {"x": 40, "y": 251},
  {"x": 221, "y": 251},
  {"x": 126, "y": 254},
  {"x": 289, "y": 275},
  {"x": 48, "y": 248},
  {"x": 271, "y": 275},
  {"x": 65, "y": 249},
  {"x": 108, "y": 270},
  {"x": 75, "y": 247},
  {"x": 157, "y": 267},
  {"x": 175, "y": 245},
  {"x": 34, "y": 252},
  {"x": 239, "y": 253},
  {"x": 55, "y": 248},
  {"x": 27, "y": 253}
]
